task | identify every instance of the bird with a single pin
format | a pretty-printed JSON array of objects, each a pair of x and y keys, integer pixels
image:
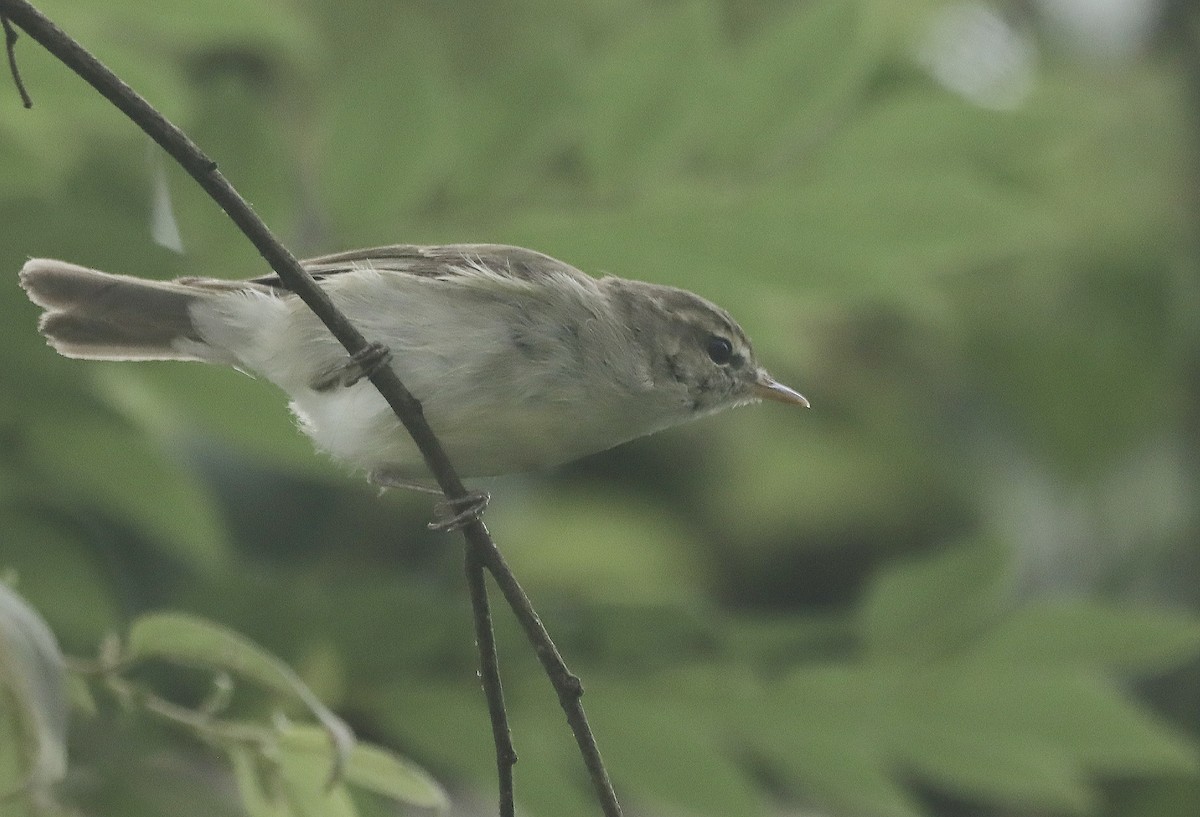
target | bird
[{"x": 521, "y": 362}]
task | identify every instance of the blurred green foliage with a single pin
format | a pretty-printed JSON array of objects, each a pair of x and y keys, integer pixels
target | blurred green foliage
[{"x": 966, "y": 580}]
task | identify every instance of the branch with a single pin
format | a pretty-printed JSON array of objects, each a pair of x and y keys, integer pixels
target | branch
[
  {"x": 565, "y": 683},
  {"x": 489, "y": 677},
  {"x": 406, "y": 407},
  {"x": 10, "y": 44}
]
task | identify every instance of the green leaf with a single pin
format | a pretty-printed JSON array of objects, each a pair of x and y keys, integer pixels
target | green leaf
[
  {"x": 33, "y": 680},
  {"x": 960, "y": 757},
  {"x": 832, "y": 769},
  {"x": 1082, "y": 717},
  {"x": 258, "y": 786},
  {"x": 820, "y": 731},
  {"x": 1090, "y": 635},
  {"x": 303, "y": 777},
  {"x": 933, "y": 606},
  {"x": 196, "y": 642},
  {"x": 372, "y": 768},
  {"x": 1032, "y": 737},
  {"x": 1170, "y": 797},
  {"x": 664, "y": 749}
]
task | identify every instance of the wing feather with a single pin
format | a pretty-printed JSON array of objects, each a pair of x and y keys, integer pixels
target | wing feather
[{"x": 447, "y": 261}]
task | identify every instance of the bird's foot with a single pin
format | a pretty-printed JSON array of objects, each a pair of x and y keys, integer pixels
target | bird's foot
[
  {"x": 453, "y": 514},
  {"x": 456, "y": 514},
  {"x": 362, "y": 364}
]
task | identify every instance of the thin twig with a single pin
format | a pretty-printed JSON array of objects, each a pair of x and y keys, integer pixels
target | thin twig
[
  {"x": 565, "y": 683},
  {"x": 489, "y": 677},
  {"x": 10, "y": 45},
  {"x": 406, "y": 407},
  {"x": 214, "y": 730}
]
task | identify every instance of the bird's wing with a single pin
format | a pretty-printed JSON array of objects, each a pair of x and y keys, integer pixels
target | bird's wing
[{"x": 446, "y": 262}]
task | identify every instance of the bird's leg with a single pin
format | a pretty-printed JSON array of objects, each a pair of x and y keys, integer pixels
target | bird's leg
[
  {"x": 372, "y": 358},
  {"x": 458, "y": 513},
  {"x": 453, "y": 514}
]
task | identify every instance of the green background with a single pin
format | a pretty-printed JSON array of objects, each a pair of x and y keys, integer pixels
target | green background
[{"x": 964, "y": 583}]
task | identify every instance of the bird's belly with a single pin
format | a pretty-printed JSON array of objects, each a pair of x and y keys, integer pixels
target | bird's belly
[{"x": 355, "y": 425}]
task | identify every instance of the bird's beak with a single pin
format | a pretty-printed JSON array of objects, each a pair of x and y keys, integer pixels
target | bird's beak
[{"x": 767, "y": 388}]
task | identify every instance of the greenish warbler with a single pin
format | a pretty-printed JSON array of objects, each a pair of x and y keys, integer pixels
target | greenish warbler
[{"x": 520, "y": 361}]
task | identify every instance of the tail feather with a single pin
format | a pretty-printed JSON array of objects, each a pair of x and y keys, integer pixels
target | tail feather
[{"x": 99, "y": 316}]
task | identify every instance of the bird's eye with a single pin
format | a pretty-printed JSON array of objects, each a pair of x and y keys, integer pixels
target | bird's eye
[{"x": 719, "y": 349}]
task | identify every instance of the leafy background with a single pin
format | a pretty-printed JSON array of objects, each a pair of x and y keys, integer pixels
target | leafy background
[{"x": 965, "y": 583}]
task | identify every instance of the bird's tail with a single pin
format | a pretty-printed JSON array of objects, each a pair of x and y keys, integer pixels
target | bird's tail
[{"x": 98, "y": 316}]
